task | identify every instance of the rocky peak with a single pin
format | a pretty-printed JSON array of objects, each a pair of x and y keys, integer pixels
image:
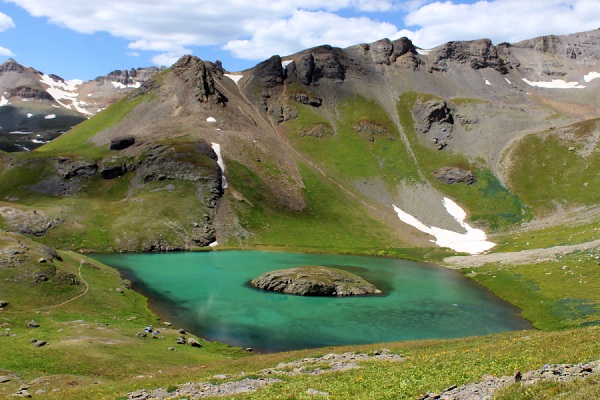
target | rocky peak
[
  {"x": 270, "y": 72},
  {"x": 323, "y": 62},
  {"x": 477, "y": 54},
  {"x": 11, "y": 65},
  {"x": 199, "y": 75},
  {"x": 386, "y": 52},
  {"x": 583, "y": 46}
]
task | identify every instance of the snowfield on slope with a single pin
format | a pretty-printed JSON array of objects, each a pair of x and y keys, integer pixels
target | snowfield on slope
[{"x": 474, "y": 241}]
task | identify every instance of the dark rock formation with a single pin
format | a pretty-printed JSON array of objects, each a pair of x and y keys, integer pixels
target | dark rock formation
[
  {"x": 323, "y": 62},
  {"x": 281, "y": 112},
  {"x": 112, "y": 171},
  {"x": 434, "y": 119},
  {"x": 26, "y": 92},
  {"x": 270, "y": 72},
  {"x": 314, "y": 281},
  {"x": 121, "y": 143},
  {"x": 304, "y": 98},
  {"x": 387, "y": 52},
  {"x": 199, "y": 76},
  {"x": 452, "y": 175},
  {"x": 11, "y": 65},
  {"x": 477, "y": 54},
  {"x": 69, "y": 168}
]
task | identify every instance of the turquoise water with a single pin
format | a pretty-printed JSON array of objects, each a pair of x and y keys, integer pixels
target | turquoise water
[{"x": 208, "y": 294}]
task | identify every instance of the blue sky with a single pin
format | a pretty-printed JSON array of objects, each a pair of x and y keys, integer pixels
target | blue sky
[{"x": 85, "y": 38}]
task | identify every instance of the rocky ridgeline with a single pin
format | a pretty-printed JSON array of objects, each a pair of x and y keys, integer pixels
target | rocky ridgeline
[
  {"x": 491, "y": 384},
  {"x": 314, "y": 281}
]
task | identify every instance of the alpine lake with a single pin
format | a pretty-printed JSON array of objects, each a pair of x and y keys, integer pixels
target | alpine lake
[{"x": 208, "y": 294}]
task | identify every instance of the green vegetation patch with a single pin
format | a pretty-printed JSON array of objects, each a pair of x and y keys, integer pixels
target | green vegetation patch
[
  {"x": 77, "y": 140},
  {"x": 553, "y": 295},
  {"x": 489, "y": 202},
  {"x": 331, "y": 221},
  {"x": 364, "y": 143},
  {"x": 548, "y": 171}
]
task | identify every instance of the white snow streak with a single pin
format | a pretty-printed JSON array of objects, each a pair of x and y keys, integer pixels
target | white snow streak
[
  {"x": 50, "y": 116},
  {"x": 217, "y": 148},
  {"x": 488, "y": 82},
  {"x": 591, "y": 76},
  {"x": 234, "y": 77},
  {"x": 29, "y": 115},
  {"x": 506, "y": 79},
  {"x": 472, "y": 242},
  {"x": 284, "y": 64},
  {"x": 213, "y": 244},
  {"x": 119, "y": 85},
  {"x": 3, "y": 101},
  {"x": 555, "y": 84},
  {"x": 211, "y": 119},
  {"x": 423, "y": 52}
]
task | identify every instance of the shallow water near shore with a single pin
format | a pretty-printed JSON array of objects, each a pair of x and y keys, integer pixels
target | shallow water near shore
[{"x": 208, "y": 293}]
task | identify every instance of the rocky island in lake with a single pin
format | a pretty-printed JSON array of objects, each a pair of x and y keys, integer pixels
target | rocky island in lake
[{"x": 314, "y": 281}]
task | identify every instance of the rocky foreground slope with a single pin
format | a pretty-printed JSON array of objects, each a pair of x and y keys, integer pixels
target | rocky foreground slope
[{"x": 323, "y": 147}]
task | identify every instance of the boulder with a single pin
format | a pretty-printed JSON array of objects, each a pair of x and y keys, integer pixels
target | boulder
[
  {"x": 3, "y": 303},
  {"x": 33, "y": 324},
  {"x": 193, "y": 342},
  {"x": 121, "y": 143},
  {"x": 314, "y": 281},
  {"x": 180, "y": 340},
  {"x": 452, "y": 175},
  {"x": 40, "y": 343}
]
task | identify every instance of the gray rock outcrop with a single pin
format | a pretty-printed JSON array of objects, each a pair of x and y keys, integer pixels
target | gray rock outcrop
[
  {"x": 477, "y": 54},
  {"x": 314, "y": 281},
  {"x": 452, "y": 175}
]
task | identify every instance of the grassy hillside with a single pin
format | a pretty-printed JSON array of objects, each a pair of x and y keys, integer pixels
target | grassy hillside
[
  {"x": 488, "y": 201},
  {"x": 556, "y": 168}
]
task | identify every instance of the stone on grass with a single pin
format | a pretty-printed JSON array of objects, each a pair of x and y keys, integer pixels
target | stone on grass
[
  {"x": 180, "y": 340},
  {"x": 193, "y": 342},
  {"x": 315, "y": 392},
  {"x": 40, "y": 343},
  {"x": 33, "y": 324}
]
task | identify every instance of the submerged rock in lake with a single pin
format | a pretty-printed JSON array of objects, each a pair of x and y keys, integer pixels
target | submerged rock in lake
[{"x": 314, "y": 281}]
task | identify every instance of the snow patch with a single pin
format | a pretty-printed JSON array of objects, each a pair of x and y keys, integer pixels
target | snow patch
[
  {"x": 555, "y": 84},
  {"x": 20, "y": 133},
  {"x": 591, "y": 76},
  {"x": 423, "y": 52},
  {"x": 284, "y": 64},
  {"x": 90, "y": 95},
  {"x": 488, "y": 82},
  {"x": 506, "y": 79},
  {"x": 217, "y": 148},
  {"x": 213, "y": 244},
  {"x": 472, "y": 242},
  {"x": 3, "y": 101},
  {"x": 29, "y": 115},
  {"x": 50, "y": 116},
  {"x": 119, "y": 85},
  {"x": 25, "y": 100},
  {"x": 234, "y": 77},
  {"x": 211, "y": 119},
  {"x": 39, "y": 141}
]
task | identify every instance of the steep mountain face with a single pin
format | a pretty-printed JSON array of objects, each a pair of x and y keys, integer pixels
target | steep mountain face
[
  {"x": 371, "y": 148},
  {"x": 35, "y": 107}
]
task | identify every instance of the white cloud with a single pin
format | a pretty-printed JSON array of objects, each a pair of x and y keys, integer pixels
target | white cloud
[
  {"x": 307, "y": 29},
  {"x": 6, "y": 52},
  {"x": 258, "y": 29},
  {"x": 500, "y": 20},
  {"x": 6, "y": 22}
]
